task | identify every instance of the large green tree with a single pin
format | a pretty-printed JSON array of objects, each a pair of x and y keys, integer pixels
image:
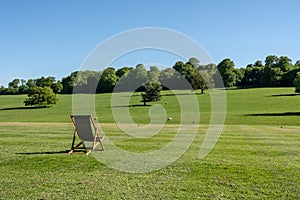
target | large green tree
[
  {"x": 57, "y": 87},
  {"x": 271, "y": 61},
  {"x": 139, "y": 74},
  {"x": 40, "y": 96},
  {"x": 122, "y": 71},
  {"x": 108, "y": 80},
  {"x": 83, "y": 81},
  {"x": 194, "y": 61},
  {"x": 251, "y": 76},
  {"x": 226, "y": 69},
  {"x": 270, "y": 76},
  {"x": 190, "y": 72},
  {"x": 297, "y": 83},
  {"x": 185, "y": 70},
  {"x": 288, "y": 77},
  {"x": 13, "y": 86},
  {"x": 198, "y": 81},
  {"x": 153, "y": 74},
  {"x": 133, "y": 80},
  {"x": 45, "y": 81},
  {"x": 69, "y": 83},
  {"x": 285, "y": 63},
  {"x": 151, "y": 92},
  {"x": 166, "y": 76}
]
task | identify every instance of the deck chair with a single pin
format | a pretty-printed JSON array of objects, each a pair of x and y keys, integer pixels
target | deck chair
[{"x": 87, "y": 131}]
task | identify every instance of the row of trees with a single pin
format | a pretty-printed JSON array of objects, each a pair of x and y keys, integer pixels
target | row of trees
[
  {"x": 21, "y": 86},
  {"x": 134, "y": 79},
  {"x": 273, "y": 72},
  {"x": 41, "y": 91}
]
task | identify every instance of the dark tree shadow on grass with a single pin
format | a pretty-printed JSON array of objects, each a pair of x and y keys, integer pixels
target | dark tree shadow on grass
[
  {"x": 44, "y": 153},
  {"x": 128, "y": 106},
  {"x": 285, "y": 95},
  {"x": 25, "y": 108},
  {"x": 276, "y": 114},
  {"x": 238, "y": 88},
  {"x": 182, "y": 94}
]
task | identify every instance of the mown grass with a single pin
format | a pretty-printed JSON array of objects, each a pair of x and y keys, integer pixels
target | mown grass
[
  {"x": 256, "y": 157},
  {"x": 272, "y": 106},
  {"x": 253, "y": 162},
  {"x": 262, "y": 106}
]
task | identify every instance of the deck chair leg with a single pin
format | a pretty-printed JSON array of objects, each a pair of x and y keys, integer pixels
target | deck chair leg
[
  {"x": 73, "y": 142},
  {"x": 87, "y": 151},
  {"x": 94, "y": 145},
  {"x": 98, "y": 140},
  {"x": 101, "y": 144}
]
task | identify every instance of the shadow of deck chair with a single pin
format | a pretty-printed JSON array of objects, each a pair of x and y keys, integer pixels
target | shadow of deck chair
[{"x": 87, "y": 131}]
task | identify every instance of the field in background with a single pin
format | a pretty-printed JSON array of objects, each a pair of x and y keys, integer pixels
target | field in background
[
  {"x": 262, "y": 106},
  {"x": 256, "y": 157}
]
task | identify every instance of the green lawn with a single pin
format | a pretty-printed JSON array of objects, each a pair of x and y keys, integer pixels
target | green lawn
[
  {"x": 256, "y": 157},
  {"x": 262, "y": 106}
]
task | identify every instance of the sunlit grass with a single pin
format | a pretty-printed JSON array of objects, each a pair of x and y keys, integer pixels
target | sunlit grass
[
  {"x": 256, "y": 157},
  {"x": 260, "y": 162},
  {"x": 263, "y": 106}
]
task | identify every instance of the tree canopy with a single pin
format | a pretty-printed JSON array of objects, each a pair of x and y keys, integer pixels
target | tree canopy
[
  {"x": 226, "y": 69},
  {"x": 274, "y": 71},
  {"x": 297, "y": 83},
  {"x": 40, "y": 96},
  {"x": 151, "y": 92}
]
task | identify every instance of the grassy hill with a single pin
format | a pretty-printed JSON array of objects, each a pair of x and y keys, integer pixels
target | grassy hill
[
  {"x": 256, "y": 157},
  {"x": 262, "y": 106}
]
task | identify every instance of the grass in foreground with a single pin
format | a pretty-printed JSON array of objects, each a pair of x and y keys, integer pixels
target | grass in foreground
[
  {"x": 252, "y": 162},
  {"x": 256, "y": 157}
]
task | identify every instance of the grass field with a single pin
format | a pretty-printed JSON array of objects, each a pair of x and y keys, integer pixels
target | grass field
[{"x": 256, "y": 157}]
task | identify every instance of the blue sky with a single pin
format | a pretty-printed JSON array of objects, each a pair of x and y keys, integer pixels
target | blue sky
[{"x": 53, "y": 37}]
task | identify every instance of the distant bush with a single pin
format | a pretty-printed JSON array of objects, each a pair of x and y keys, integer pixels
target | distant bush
[{"x": 40, "y": 96}]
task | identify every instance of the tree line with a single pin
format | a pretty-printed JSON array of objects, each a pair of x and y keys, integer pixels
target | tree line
[{"x": 273, "y": 72}]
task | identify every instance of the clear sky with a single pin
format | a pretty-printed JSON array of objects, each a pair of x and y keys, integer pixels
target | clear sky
[{"x": 53, "y": 37}]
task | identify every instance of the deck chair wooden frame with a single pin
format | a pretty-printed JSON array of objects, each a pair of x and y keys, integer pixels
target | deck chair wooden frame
[{"x": 85, "y": 130}]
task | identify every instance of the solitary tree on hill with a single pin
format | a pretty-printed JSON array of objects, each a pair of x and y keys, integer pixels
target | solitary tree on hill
[
  {"x": 40, "y": 96},
  {"x": 151, "y": 93}
]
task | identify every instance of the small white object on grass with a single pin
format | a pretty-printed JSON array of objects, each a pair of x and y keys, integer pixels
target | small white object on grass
[{"x": 169, "y": 118}]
